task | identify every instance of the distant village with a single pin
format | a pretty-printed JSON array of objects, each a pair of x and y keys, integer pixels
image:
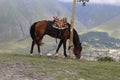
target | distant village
[{"x": 97, "y": 53}]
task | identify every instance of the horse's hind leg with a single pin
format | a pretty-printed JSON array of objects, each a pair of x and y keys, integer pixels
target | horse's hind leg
[
  {"x": 32, "y": 46},
  {"x": 39, "y": 43},
  {"x": 39, "y": 49}
]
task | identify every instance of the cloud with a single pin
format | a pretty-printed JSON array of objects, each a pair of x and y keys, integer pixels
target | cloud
[
  {"x": 112, "y": 2},
  {"x": 105, "y": 1},
  {"x": 66, "y": 0}
]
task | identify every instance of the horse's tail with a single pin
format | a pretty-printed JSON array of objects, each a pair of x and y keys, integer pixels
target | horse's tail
[{"x": 32, "y": 31}]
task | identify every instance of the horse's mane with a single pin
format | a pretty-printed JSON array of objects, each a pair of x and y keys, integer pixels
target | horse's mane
[{"x": 76, "y": 40}]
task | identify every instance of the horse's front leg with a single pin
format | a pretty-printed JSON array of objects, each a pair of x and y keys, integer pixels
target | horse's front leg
[
  {"x": 64, "y": 47},
  {"x": 59, "y": 45}
]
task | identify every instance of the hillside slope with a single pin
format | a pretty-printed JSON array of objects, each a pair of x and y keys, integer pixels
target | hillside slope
[
  {"x": 93, "y": 15},
  {"x": 17, "y": 66},
  {"x": 100, "y": 40},
  {"x": 16, "y": 16},
  {"x": 112, "y": 27}
]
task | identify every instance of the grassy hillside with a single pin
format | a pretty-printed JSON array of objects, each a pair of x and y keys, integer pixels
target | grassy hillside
[
  {"x": 112, "y": 27},
  {"x": 93, "y": 15},
  {"x": 17, "y": 15},
  {"x": 100, "y": 40},
  {"x": 23, "y": 67},
  {"x": 23, "y": 46},
  {"x": 98, "y": 17}
]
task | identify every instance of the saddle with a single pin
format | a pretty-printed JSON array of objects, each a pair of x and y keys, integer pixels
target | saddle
[
  {"x": 60, "y": 23},
  {"x": 55, "y": 30},
  {"x": 57, "y": 26}
]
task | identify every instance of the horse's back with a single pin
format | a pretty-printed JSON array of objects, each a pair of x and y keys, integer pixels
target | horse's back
[{"x": 41, "y": 26}]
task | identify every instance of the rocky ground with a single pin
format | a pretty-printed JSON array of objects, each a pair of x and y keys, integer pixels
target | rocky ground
[
  {"x": 19, "y": 71},
  {"x": 23, "y": 67}
]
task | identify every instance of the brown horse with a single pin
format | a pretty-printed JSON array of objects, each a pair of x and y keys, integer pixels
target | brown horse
[{"x": 41, "y": 28}]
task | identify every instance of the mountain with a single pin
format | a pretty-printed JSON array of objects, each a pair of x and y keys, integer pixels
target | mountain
[
  {"x": 93, "y": 15},
  {"x": 112, "y": 27},
  {"x": 16, "y": 16},
  {"x": 100, "y": 40},
  {"x": 98, "y": 17}
]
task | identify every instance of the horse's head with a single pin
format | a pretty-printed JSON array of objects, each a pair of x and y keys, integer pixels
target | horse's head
[{"x": 77, "y": 51}]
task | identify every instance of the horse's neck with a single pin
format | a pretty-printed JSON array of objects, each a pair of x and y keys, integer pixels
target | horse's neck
[{"x": 76, "y": 40}]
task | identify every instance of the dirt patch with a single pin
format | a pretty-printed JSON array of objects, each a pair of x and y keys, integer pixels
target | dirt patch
[{"x": 19, "y": 71}]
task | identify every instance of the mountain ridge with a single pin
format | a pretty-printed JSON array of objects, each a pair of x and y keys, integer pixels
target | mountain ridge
[
  {"x": 93, "y": 15},
  {"x": 112, "y": 27},
  {"x": 17, "y": 16}
]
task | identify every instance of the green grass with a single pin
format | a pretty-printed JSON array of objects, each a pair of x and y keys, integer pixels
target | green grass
[{"x": 66, "y": 69}]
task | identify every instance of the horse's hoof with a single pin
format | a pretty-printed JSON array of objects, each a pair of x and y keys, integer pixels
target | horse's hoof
[
  {"x": 31, "y": 55},
  {"x": 40, "y": 54},
  {"x": 56, "y": 54}
]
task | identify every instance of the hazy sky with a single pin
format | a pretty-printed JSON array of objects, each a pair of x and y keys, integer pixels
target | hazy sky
[{"x": 112, "y": 2}]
